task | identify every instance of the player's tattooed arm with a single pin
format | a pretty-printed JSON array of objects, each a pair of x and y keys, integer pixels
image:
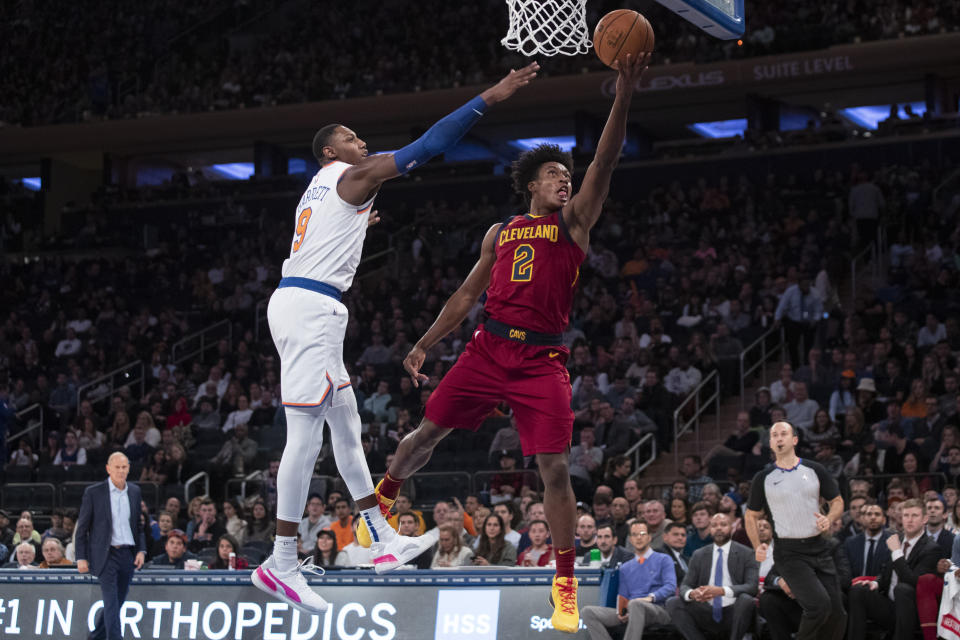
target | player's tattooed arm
[
  {"x": 583, "y": 210},
  {"x": 456, "y": 308}
]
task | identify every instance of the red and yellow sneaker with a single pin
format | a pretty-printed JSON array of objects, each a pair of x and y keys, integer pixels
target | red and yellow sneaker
[
  {"x": 566, "y": 613},
  {"x": 363, "y": 534}
]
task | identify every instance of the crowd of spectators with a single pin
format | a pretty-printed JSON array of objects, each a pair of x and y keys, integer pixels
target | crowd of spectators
[
  {"x": 677, "y": 282},
  {"x": 175, "y": 57}
]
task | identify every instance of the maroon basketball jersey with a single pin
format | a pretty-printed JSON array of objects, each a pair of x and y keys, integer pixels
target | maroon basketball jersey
[{"x": 533, "y": 279}]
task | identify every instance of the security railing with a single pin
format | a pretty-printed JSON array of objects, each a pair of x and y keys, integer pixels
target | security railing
[
  {"x": 700, "y": 405},
  {"x": 203, "y": 477},
  {"x": 647, "y": 443},
  {"x": 33, "y": 416},
  {"x": 767, "y": 351},
  {"x": 198, "y": 343},
  {"x": 102, "y": 388}
]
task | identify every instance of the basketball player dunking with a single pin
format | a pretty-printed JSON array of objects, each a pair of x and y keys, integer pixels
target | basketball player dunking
[
  {"x": 529, "y": 267},
  {"x": 308, "y": 323}
]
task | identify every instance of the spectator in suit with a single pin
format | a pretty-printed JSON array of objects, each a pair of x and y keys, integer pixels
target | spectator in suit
[
  {"x": 936, "y": 519},
  {"x": 110, "y": 542},
  {"x": 852, "y": 519},
  {"x": 612, "y": 554},
  {"x": 645, "y": 585},
  {"x": 867, "y": 551},
  {"x": 23, "y": 557},
  {"x": 891, "y": 601},
  {"x": 175, "y": 552},
  {"x": 718, "y": 589},
  {"x": 674, "y": 543}
]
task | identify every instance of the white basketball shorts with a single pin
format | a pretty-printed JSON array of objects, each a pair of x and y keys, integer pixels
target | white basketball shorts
[{"x": 308, "y": 329}]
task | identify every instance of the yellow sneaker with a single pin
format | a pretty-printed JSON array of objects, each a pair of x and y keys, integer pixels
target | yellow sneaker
[
  {"x": 363, "y": 534},
  {"x": 566, "y": 613}
]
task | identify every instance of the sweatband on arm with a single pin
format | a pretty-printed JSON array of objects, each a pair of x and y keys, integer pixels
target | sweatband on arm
[{"x": 441, "y": 137}]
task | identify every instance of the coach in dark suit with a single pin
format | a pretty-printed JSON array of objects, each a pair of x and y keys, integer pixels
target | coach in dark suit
[
  {"x": 674, "y": 542},
  {"x": 891, "y": 601},
  {"x": 719, "y": 587},
  {"x": 867, "y": 551},
  {"x": 110, "y": 541}
]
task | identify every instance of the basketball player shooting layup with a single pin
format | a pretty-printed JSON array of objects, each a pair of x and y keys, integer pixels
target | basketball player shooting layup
[
  {"x": 308, "y": 323},
  {"x": 529, "y": 267}
]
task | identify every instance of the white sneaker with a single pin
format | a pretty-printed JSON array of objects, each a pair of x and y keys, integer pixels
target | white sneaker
[
  {"x": 290, "y": 587},
  {"x": 398, "y": 550}
]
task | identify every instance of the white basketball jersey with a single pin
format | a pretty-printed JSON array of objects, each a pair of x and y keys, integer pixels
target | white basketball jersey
[{"x": 329, "y": 234}]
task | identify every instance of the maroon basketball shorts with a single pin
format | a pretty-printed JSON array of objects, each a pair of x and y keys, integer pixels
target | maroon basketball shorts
[{"x": 532, "y": 379}]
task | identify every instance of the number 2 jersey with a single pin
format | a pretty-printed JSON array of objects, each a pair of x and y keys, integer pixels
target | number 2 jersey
[
  {"x": 535, "y": 274},
  {"x": 329, "y": 234}
]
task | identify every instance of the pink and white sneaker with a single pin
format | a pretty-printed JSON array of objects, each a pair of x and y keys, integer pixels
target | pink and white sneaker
[
  {"x": 290, "y": 587},
  {"x": 398, "y": 550}
]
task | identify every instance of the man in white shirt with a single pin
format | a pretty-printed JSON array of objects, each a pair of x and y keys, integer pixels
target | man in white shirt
[
  {"x": 683, "y": 378},
  {"x": 68, "y": 346},
  {"x": 719, "y": 588},
  {"x": 802, "y": 409}
]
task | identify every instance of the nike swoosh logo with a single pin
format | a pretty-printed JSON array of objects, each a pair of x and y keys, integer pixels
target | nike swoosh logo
[
  {"x": 778, "y": 482},
  {"x": 553, "y": 354}
]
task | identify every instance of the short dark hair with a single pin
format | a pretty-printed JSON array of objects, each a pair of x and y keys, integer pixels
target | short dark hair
[
  {"x": 317, "y": 496},
  {"x": 607, "y": 526},
  {"x": 525, "y": 168},
  {"x": 674, "y": 525},
  {"x": 322, "y": 139},
  {"x": 543, "y": 522},
  {"x": 341, "y": 499},
  {"x": 699, "y": 506},
  {"x": 408, "y": 514}
]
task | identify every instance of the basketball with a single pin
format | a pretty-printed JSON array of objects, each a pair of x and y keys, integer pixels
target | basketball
[{"x": 622, "y": 32}]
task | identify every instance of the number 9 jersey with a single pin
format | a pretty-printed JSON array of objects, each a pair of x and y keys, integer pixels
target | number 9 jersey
[
  {"x": 535, "y": 274},
  {"x": 329, "y": 235}
]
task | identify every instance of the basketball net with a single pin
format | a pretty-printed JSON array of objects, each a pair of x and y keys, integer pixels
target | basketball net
[{"x": 547, "y": 27}]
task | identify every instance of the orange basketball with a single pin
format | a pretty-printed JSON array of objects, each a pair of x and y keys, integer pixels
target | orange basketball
[{"x": 621, "y": 32}]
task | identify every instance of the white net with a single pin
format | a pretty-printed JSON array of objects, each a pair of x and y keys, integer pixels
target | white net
[{"x": 548, "y": 27}]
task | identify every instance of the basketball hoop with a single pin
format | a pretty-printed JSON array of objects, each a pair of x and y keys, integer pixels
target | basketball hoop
[{"x": 548, "y": 27}]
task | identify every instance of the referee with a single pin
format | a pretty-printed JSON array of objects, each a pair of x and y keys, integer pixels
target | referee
[{"x": 790, "y": 490}]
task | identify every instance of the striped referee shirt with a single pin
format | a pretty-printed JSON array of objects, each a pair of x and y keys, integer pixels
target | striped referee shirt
[{"x": 792, "y": 497}]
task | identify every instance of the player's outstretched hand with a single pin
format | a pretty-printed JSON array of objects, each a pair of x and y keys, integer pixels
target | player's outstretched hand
[
  {"x": 510, "y": 83},
  {"x": 630, "y": 71},
  {"x": 373, "y": 218},
  {"x": 412, "y": 364}
]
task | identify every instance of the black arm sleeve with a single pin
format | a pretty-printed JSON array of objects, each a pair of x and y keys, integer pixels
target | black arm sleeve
[
  {"x": 758, "y": 497},
  {"x": 829, "y": 489}
]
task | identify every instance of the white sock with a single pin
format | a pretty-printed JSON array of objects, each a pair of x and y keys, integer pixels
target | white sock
[
  {"x": 380, "y": 531},
  {"x": 285, "y": 552}
]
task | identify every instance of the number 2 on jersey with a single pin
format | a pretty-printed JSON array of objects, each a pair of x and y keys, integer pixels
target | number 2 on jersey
[
  {"x": 522, "y": 264},
  {"x": 302, "y": 223}
]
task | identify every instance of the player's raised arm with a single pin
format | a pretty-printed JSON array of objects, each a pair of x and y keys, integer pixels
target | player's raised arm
[
  {"x": 456, "y": 308},
  {"x": 584, "y": 208},
  {"x": 372, "y": 171}
]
